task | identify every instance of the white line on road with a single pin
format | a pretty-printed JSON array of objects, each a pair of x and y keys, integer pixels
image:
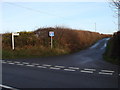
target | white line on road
[
  {"x": 41, "y": 67},
  {"x": 90, "y": 69},
  {"x": 8, "y": 87},
  {"x": 95, "y": 45},
  {"x": 47, "y": 65},
  {"x": 69, "y": 70},
  {"x": 4, "y": 62},
  {"x": 103, "y": 46},
  {"x": 16, "y": 62},
  {"x": 11, "y": 63},
  {"x": 54, "y": 68},
  {"x": 25, "y": 63},
  {"x": 105, "y": 73},
  {"x": 73, "y": 68},
  {"x": 60, "y": 66},
  {"x": 86, "y": 71},
  {"x": 30, "y": 65}
]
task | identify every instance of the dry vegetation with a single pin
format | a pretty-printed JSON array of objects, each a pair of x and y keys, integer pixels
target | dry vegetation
[{"x": 37, "y": 43}]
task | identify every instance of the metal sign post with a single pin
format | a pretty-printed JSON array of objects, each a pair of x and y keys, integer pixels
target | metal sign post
[
  {"x": 13, "y": 44},
  {"x": 51, "y": 42},
  {"x": 51, "y": 34}
]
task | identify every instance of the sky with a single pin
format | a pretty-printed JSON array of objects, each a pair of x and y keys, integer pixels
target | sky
[{"x": 29, "y": 16}]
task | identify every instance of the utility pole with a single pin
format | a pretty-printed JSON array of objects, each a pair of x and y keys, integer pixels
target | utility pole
[
  {"x": 119, "y": 17},
  {"x": 95, "y": 27}
]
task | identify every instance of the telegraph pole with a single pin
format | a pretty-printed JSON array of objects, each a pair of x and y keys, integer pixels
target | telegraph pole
[{"x": 95, "y": 27}]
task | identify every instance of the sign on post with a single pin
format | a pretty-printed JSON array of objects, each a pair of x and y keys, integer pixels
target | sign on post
[
  {"x": 51, "y": 34},
  {"x": 13, "y": 44}
]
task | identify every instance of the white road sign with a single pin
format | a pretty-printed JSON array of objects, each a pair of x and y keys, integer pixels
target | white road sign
[{"x": 14, "y": 34}]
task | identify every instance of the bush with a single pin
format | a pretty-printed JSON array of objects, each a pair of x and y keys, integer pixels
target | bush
[
  {"x": 65, "y": 41},
  {"x": 112, "y": 53}
]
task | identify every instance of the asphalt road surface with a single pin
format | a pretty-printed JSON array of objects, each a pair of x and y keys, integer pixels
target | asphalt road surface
[{"x": 85, "y": 69}]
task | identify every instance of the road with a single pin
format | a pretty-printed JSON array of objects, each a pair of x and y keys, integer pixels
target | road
[{"x": 84, "y": 69}]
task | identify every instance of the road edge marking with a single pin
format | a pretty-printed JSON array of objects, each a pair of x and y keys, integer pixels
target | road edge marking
[{"x": 8, "y": 87}]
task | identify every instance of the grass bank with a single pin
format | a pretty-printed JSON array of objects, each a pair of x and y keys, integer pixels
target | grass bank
[
  {"x": 112, "y": 53},
  {"x": 37, "y": 43}
]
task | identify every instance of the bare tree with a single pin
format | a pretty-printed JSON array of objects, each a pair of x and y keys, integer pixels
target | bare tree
[{"x": 116, "y": 5}]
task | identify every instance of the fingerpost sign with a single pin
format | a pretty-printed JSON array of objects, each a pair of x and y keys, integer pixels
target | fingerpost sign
[{"x": 13, "y": 44}]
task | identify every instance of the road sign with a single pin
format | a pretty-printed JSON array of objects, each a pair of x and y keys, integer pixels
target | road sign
[
  {"x": 51, "y": 33},
  {"x": 15, "y": 34},
  {"x": 13, "y": 44}
]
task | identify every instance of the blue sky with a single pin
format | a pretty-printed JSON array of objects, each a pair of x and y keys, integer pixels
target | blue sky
[{"x": 28, "y": 16}]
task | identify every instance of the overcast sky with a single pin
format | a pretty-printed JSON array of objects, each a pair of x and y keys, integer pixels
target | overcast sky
[{"x": 28, "y": 16}]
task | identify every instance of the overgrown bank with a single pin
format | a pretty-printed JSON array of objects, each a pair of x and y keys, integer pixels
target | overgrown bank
[
  {"x": 37, "y": 43},
  {"x": 112, "y": 53}
]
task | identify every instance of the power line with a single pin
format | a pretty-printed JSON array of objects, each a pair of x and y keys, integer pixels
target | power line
[{"x": 31, "y": 9}]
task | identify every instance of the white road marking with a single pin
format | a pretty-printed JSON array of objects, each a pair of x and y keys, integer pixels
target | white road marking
[
  {"x": 11, "y": 63},
  {"x": 69, "y": 70},
  {"x": 105, "y": 73},
  {"x": 89, "y": 69},
  {"x": 107, "y": 39},
  {"x": 54, "y": 68},
  {"x": 86, "y": 71},
  {"x": 30, "y": 65},
  {"x": 60, "y": 66},
  {"x": 8, "y": 87},
  {"x": 4, "y": 62},
  {"x": 41, "y": 67},
  {"x": 19, "y": 64},
  {"x": 103, "y": 46},
  {"x": 1, "y": 61},
  {"x": 47, "y": 65},
  {"x": 25, "y": 63},
  {"x": 16, "y": 62},
  {"x": 95, "y": 45},
  {"x": 73, "y": 68}
]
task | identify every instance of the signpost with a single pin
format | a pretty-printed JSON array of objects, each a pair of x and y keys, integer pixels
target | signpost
[
  {"x": 51, "y": 34},
  {"x": 13, "y": 44}
]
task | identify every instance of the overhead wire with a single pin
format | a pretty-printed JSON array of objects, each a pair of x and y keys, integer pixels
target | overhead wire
[{"x": 31, "y": 9}]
